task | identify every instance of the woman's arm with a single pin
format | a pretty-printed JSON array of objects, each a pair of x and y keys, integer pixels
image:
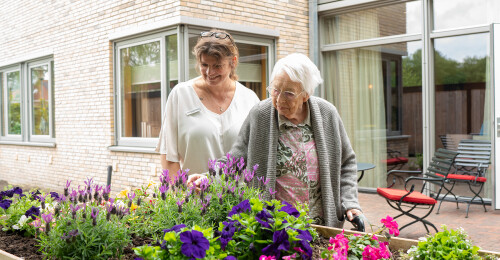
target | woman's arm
[{"x": 172, "y": 167}]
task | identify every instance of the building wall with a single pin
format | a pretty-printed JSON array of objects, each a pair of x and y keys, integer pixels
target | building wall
[{"x": 77, "y": 34}]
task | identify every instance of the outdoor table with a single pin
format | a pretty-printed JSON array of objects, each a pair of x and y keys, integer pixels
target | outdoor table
[{"x": 362, "y": 167}]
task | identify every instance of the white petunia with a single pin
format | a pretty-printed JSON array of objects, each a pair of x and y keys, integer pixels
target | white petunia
[{"x": 20, "y": 223}]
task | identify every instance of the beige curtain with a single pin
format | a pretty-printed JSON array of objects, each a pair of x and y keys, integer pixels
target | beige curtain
[
  {"x": 486, "y": 127},
  {"x": 354, "y": 84}
]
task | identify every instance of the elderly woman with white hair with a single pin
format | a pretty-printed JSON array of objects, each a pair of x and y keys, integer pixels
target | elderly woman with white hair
[{"x": 300, "y": 144}]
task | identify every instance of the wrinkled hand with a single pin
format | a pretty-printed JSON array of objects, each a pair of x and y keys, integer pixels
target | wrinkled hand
[
  {"x": 351, "y": 213},
  {"x": 195, "y": 180}
]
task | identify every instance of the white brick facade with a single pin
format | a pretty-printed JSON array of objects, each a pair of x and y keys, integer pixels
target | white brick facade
[{"x": 77, "y": 33}]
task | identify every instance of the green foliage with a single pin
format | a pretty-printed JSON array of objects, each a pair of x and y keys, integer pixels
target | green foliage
[
  {"x": 13, "y": 218},
  {"x": 251, "y": 237},
  {"x": 446, "y": 71},
  {"x": 15, "y": 118},
  {"x": 103, "y": 240},
  {"x": 447, "y": 244},
  {"x": 242, "y": 235},
  {"x": 412, "y": 69},
  {"x": 172, "y": 246},
  {"x": 155, "y": 214}
]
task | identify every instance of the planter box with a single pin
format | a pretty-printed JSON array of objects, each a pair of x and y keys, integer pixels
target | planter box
[
  {"x": 395, "y": 243},
  {"x": 6, "y": 256}
]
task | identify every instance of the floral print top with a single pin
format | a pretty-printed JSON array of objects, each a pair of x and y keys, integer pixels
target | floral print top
[{"x": 297, "y": 169}]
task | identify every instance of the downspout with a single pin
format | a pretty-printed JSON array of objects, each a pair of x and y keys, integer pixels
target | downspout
[{"x": 314, "y": 36}]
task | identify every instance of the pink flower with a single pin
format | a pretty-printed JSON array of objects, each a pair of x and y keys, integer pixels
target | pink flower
[
  {"x": 263, "y": 257},
  {"x": 375, "y": 253},
  {"x": 290, "y": 257},
  {"x": 391, "y": 225},
  {"x": 340, "y": 244}
]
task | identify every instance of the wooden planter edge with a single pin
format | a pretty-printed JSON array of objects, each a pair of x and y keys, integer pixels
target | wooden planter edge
[
  {"x": 6, "y": 256},
  {"x": 396, "y": 243}
]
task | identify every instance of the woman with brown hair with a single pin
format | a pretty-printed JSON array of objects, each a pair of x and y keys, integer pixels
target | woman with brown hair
[{"x": 203, "y": 115}]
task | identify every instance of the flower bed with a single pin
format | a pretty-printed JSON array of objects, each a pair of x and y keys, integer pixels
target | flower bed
[{"x": 225, "y": 219}]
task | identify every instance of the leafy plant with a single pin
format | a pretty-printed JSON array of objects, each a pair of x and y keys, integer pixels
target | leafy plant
[
  {"x": 180, "y": 242},
  {"x": 447, "y": 244},
  {"x": 171, "y": 202},
  {"x": 253, "y": 229},
  {"x": 366, "y": 246},
  {"x": 18, "y": 210},
  {"x": 86, "y": 235}
]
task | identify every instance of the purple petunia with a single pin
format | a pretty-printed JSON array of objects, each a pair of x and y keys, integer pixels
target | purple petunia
[
  {"x": 5, "y": 204},
  {"x": 304, "y": 243},
  {"x": 227, "y": 233},
  {"x": 262, "y": 217},
  {"x": 291, "y": 210},
  {"x": 244, "y": 206},
  {"x": 54, "y": 195},
  {"x": 18, "y": 191},
  {"x": 194, "y": 244},
  {"x": 175, "y": 228},
  {"x": 280, "y": 243},
  {"x": 32, "y": 212}
]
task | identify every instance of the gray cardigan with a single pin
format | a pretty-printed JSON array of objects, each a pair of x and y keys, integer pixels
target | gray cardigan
[{"x": 257, "y": 143}]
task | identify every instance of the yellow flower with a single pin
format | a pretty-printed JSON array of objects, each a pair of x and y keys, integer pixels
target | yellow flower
[
  {"x": 122, "y": 194},
  {"x": 133, "y": 207}
]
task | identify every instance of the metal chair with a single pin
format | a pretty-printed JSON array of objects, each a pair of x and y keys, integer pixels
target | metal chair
[
  {"x": 395, "y": 160},
  {"x": 471, "y": 163},
  {"x": 406, "y": 201},
  {"x": 448, "y": 142}
]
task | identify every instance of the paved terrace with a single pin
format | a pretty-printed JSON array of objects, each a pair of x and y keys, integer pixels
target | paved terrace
[{"x": 483, "y": 227}]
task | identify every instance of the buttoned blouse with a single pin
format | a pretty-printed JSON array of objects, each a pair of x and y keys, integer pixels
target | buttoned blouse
[
  {"x": 297, "y": 171},
  {"x": 192, "y": 135}
]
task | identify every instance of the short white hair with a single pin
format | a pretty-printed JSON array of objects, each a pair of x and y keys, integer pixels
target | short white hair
[{"x": 300, "y": 69}]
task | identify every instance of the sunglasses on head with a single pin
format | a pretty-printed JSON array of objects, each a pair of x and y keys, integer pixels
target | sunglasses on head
[{"x": 218, "y": 35}]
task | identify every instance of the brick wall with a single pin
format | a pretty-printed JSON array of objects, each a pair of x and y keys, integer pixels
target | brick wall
[{"x": 77, "y": 33}]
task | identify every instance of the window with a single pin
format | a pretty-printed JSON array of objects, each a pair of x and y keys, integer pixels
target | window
[
  {"x": 27, "y": 102},
  {"x": 148, "y": 67},
  {"x": 371, "y": 63},
  {"x": 141, "y": 74},
  {"x": 450, "y": 14}
]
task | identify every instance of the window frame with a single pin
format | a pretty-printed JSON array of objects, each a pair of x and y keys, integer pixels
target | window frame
[
  {"x": 4, "y": 118},
  {"x": 26, "y": 137},
  {"x": 30, "y": 112},
  {"x": 183, "y": 32},
  {"x": 118, "y": 92}
]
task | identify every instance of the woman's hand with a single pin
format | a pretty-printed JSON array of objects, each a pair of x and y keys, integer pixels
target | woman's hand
[
  {"x": 195, "y": 179},
  {"x": 351, "y": 213}
]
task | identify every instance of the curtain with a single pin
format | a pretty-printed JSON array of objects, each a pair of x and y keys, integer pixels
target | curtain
[
  {"x": 486, "y": 126},
  {"x": 354, "y": 84}
]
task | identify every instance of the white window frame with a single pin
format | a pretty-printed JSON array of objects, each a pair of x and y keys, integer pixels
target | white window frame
[
  {"x": 5, "y": 110},
  {"x": 29, "y": 87},
  {"x": 147, "y": 145},
  {"x": 26, "y": 137},
  {"x": 161, "y": 37}
]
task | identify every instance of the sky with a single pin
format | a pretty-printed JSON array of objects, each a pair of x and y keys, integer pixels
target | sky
[{"x": 450, "y": 14}]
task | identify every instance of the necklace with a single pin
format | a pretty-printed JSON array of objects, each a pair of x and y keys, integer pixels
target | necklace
[
  {"x": 214, "y": 101},
  {"x": 220, "y": 107}
]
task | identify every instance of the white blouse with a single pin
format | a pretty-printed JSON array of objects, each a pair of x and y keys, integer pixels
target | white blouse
[{"x": 191, "y": 134}]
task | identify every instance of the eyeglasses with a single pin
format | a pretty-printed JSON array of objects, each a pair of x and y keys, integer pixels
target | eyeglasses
[
  {"x": 218, "y": 35},
  {"x": 288, "y": 95}
]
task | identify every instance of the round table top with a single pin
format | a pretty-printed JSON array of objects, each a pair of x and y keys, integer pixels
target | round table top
[{"x": 365, "y": 166}]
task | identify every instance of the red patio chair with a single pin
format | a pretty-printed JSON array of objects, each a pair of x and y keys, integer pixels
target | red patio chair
[
  {"x": 471, "y": 163},
  {"x": 405, "y": 201},
  {"x": 394, "y": 160}
]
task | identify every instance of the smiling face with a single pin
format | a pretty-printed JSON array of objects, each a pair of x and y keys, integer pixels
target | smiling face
[
  {"x": 293, "y": 109},
  {"x": 214, "y": 72}
]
